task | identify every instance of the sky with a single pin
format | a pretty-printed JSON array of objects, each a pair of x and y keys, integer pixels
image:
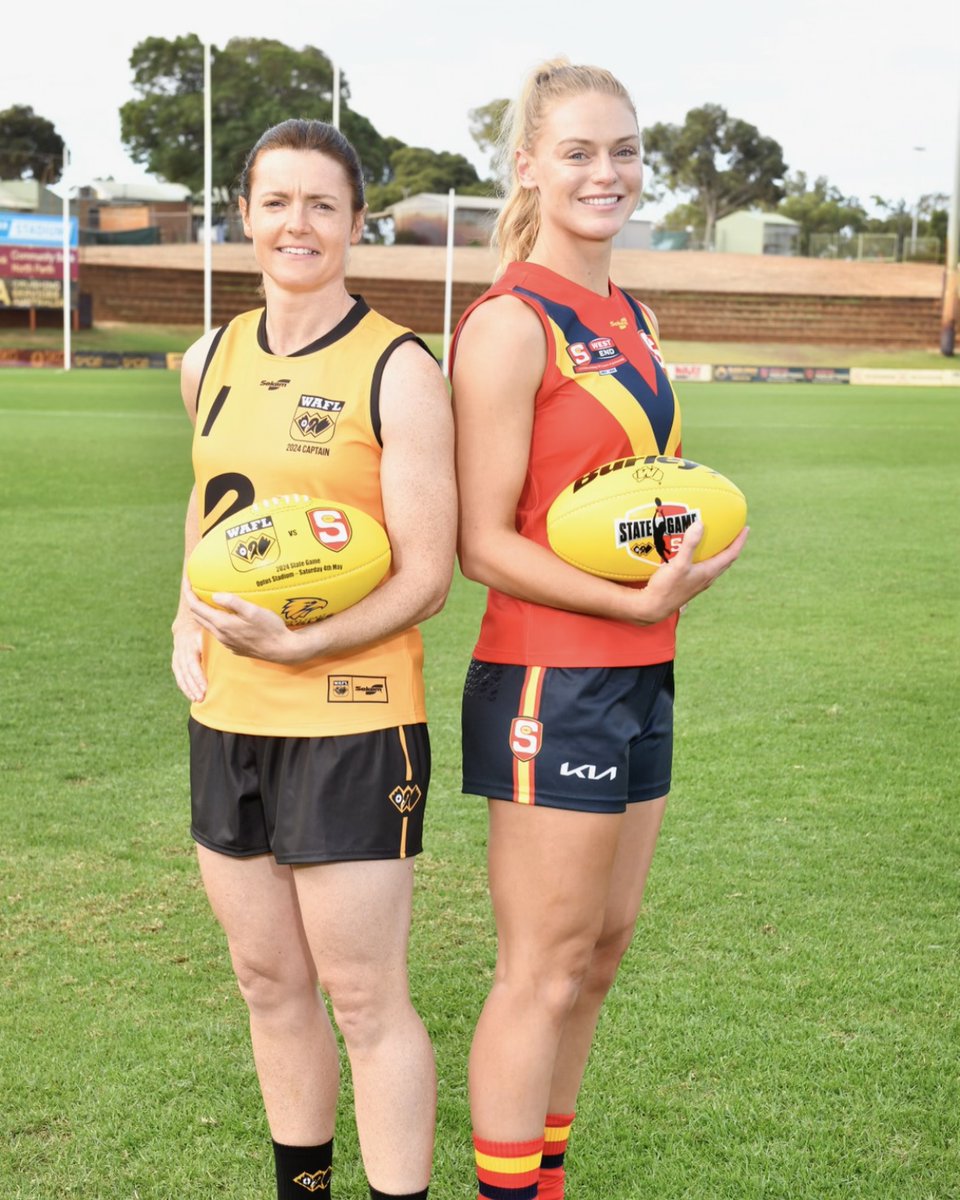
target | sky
[{"x": 872, "y": 101}]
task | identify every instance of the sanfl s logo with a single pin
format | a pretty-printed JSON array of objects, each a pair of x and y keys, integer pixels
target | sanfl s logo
[{"x": 526, "y": 738}]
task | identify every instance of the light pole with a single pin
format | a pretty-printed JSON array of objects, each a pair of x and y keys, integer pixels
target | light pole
[
  {"x": 948, "y": 320},
  {"x": 916, "y": 213},
  {"x": 67, "y": 242},
  {"x": 207, "y": 193}
]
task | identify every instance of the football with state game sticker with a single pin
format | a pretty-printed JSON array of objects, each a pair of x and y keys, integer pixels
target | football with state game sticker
[
  {"x": 301, "y": 557},
  {"x": 627, "y": 518}
]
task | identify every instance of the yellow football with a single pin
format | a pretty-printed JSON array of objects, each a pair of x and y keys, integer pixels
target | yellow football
[
  {"x": 303, "y": 558},
  {"x": 627, "y": 518}
]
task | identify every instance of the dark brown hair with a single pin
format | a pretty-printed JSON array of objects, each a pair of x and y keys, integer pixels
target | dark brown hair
[{"x": 300, "y": 134}]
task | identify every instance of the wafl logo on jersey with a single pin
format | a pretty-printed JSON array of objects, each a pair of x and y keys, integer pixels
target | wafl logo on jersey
[
  {"x": 316, "y": 418},
  {"x": 253, "y": 544},
  {"x": 653, "y": 532}
]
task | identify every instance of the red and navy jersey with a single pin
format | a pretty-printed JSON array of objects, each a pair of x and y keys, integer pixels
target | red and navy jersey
[{"x": 604, "y": 395}]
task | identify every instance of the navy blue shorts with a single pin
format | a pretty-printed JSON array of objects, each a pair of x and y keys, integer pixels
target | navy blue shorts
[
  {"x": 593, "y": 739},
  {"x": 310, "y": 799}
]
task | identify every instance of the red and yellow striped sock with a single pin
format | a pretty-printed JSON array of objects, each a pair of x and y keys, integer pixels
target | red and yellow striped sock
[
  {"x": 555, "y": 1137},
  {"x": 507, "y": 1170}
]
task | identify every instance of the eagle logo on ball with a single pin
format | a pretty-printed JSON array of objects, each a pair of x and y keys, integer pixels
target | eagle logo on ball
[{"x": 303, "y": 610}]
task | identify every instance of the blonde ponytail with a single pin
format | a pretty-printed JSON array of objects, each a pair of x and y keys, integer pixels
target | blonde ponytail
[{"x": 556, "y": 79}]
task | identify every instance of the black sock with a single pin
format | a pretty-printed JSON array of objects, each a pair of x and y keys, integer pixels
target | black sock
[
  {"x": 375, "y": 1195},
  {"x": 303, "y": 1171}
]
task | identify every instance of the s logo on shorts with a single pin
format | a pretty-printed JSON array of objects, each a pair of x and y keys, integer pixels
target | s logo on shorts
[{"x": 526, "y": 738}]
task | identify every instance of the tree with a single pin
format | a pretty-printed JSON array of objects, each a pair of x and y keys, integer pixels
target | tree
[
  {"x": 416, "y": 169},
  {"x": 928, "y": 217},
  {"x": 897, "y": 218},
  {"x": 164, "y": 128},
  {"x": 256, "y": 82},
  {"x": 30, "y": 147},
  {"x": 683, "y": 218},
  {"x": 486, "y": 124},
  {"x": 934, "y": 216},
  {"x": 821, "y": 208},
  {"x": 724, "y": 163}
]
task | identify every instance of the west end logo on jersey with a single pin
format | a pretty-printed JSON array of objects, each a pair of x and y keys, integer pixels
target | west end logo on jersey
[
  {"x": 600, "y": 354},
  {"x": 252, "y": 544},
  {"x": 526, "y": 738},
  {"x": 405, "y": 797},
  {"x": 653, "y": 532},
  {"x": 330, "y": 527},
  {"x": 316, "y": 418}
]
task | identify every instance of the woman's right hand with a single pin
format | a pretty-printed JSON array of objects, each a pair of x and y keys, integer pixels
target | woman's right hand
[{"x": 675, "y": 584}]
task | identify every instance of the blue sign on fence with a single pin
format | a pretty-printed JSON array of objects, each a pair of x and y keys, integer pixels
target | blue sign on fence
[{"x": 28, "y": 229}]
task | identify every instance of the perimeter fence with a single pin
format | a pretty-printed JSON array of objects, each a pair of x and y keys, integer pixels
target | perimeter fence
[{"x": 873, "y": 247}]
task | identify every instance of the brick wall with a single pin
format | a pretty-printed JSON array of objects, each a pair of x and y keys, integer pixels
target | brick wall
[
  {"x": 850, "y": 320},
  {"x": 175, "y": 296}
]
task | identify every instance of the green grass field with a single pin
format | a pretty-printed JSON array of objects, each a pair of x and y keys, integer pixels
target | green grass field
[
  {"x": 786, "y": 1025},
  {"x": 145, "y": 338}
]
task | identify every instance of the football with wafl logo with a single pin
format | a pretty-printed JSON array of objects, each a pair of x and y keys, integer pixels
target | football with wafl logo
[
  {"x": 303, "y": 558},
  {"x": 627, "y": 518}
]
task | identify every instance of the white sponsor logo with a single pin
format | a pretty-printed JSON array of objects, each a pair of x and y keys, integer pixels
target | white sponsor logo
[{"x": 588, "y": 771}]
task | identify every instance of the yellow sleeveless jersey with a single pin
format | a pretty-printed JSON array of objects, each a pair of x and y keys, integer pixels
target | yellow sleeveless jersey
[{"x": 308, "y": 423}]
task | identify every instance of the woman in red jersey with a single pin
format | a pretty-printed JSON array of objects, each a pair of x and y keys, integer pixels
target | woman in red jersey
[
  {"x": 568, "y": 702},
  {"x": 309, "y": 755}
]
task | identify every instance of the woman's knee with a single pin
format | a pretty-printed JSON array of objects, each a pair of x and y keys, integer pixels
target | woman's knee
[
  {"x": 366, "y": 1006},
  {"x": 606, "y": 959},
  {"x": 551, "y": 980},
  {"x": 269, "y": 987}
]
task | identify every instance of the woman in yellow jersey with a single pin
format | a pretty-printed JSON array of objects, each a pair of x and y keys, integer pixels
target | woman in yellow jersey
[
  {"x": 567, "y": 709},
  {"x": 309, "y": 751}
]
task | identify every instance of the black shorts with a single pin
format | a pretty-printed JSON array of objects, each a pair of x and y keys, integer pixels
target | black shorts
[
  {"x": 593, "y": 739},
  {"x": 310, "y": 800}
]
